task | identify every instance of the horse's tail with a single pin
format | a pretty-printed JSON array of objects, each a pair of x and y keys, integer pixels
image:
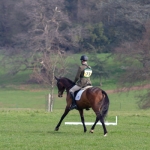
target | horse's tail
[{"x": 105, "y": 105}]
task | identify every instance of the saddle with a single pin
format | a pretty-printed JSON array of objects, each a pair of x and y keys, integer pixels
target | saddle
[{"x": 78, "y": 93}]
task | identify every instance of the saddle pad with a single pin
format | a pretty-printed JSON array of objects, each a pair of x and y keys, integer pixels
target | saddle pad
[{"x": 78, "y": 96}]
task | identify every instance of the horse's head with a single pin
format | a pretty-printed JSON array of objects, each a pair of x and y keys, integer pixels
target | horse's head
[{"x": 60, "y": 87}]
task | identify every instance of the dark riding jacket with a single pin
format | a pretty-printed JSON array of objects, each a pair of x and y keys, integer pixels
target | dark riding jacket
[{"x": 80, "y": 80}]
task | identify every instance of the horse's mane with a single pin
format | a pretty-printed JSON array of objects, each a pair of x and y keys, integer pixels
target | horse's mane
[{"x": 70, "y": 81}]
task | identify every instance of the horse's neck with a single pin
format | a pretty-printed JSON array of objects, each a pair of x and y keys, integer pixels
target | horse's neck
[{"x": 68, "y": 84}]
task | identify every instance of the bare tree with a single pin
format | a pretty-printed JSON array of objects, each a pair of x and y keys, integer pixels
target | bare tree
[
  {"x": 47, "y": 42},
  {"x": 41, "y": 48}
]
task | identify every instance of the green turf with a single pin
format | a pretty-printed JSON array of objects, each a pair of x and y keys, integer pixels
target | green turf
[
  {"x": 34, "y": 130},
  {"x": 30, "y": 126},
  {"x": 25, "y": 123}
]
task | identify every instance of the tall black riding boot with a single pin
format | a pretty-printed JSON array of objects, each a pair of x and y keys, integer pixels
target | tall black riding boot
[{"x": 73, "y": 106}]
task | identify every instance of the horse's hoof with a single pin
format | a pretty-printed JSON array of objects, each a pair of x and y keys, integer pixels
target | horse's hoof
[
  {"x": 91, "y": 131},
  {"x": 56, "y": 129},
  {"x": 105, "y": 135}
]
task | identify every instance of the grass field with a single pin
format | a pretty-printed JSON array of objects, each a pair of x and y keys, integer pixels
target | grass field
[
  {"x": 29, "y": 127},
  {"x": 25, "y": 123},
  {"x": 35, "y": 130}
]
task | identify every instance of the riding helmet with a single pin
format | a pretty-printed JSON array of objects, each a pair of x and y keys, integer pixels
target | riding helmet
[{"x": 84, "y": 58}]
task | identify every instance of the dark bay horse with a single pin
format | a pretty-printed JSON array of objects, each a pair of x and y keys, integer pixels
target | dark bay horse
[{"x": 92, "y": 97}]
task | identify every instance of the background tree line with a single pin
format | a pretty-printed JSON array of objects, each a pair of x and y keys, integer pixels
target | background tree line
[
  {"x": 98, "y": 23},
  {"x": 37, "y": 35}
]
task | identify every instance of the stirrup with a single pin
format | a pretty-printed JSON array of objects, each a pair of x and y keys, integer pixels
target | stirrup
[{"x": 73, "y": 107}]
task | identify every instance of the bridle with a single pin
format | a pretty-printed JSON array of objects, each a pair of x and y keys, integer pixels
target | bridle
[{"x": 61, "y": 88}]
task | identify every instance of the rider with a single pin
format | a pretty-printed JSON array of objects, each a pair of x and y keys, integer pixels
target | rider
[{"x": 82, "y": 79}]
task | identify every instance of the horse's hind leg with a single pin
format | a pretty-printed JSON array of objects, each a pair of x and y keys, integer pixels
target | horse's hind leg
[
  {"x": 100, "y": 117},
  {"x": 82, "y": 119},
  {"x": 61, "y": 119},
  {"x": 92, "y": 128}
]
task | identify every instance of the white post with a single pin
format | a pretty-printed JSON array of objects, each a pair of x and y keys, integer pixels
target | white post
[
  {"x": 49, "y": 102},
  {"x": 116, "y": 120}
]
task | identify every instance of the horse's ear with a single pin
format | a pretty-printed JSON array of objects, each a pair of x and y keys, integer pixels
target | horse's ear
[{"x": 56, "y": 78}]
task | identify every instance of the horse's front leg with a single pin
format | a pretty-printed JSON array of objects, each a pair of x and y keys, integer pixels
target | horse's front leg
[
  {"x": 62, "y": 117},
  {"x": 92, "y": 128},
  {"x": 82, "y": 119}
]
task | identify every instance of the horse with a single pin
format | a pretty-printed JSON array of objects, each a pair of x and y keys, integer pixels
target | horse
[{"x": 92, "y": 97}]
